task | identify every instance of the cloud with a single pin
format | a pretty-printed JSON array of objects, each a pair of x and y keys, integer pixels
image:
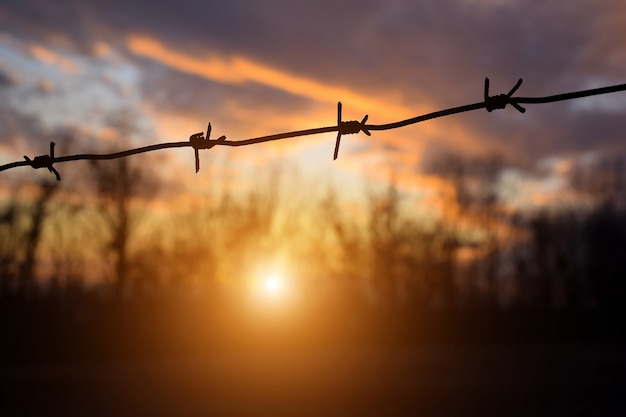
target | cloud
[
  {"x": 236, "y": 69},
  {"x": 257, "y": 68},
  {"x": 6, "y": 80},
  {"x": 51, "y": 57},
  {"x": 45, "y": 86}
]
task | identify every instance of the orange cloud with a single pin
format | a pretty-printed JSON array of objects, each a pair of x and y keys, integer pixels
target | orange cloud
[
  {"x": 52, "y": 58},
  {"x": 237, "y": 69},
  {"x": 234, "y": 69}
]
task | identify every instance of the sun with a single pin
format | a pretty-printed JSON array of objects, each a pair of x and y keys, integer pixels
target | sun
[{"x": 273, "y": 285}]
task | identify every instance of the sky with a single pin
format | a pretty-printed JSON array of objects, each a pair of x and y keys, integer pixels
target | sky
[{"x": 98, "y": 75}]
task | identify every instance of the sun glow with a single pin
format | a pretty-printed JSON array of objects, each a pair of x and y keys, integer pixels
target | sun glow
[
  {"x": 273, "y": 285},
  {"x": 272, "y": 288}
]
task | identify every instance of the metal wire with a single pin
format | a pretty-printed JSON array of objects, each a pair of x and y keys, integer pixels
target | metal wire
[{"x": 199, "y": 141}]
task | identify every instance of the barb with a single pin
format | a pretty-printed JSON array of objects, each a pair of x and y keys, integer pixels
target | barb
[
  {"x": 198, "y": 141},
  {"x": 348, "y": 128},
  {"x": 45, "y": 161},
  {"x": 500, "y": 101}
]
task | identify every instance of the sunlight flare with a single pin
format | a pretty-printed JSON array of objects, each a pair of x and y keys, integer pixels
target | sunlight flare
[{"x": 273, "y": 285}]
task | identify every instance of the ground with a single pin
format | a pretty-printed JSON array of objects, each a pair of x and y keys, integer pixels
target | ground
[{"x": 572, "y": 379}]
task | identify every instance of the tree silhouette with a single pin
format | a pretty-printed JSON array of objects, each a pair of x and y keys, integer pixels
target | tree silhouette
[
  {"x": 118, "y": 186},
  {"x": 33, "y": 237}
]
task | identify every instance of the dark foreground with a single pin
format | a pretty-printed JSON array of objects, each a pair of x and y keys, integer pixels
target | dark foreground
[
  {"x": 155, "y": 360},
  {"x": 566, "y": 380}
]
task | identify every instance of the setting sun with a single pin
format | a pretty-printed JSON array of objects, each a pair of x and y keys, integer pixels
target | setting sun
[{"x": 273, "y": 285}]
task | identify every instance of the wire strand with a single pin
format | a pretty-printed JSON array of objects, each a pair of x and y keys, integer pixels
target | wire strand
[{"x": 198, "y": 141}]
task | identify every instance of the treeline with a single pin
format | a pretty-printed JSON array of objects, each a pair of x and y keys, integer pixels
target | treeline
[{"x": 469, "y": 254}]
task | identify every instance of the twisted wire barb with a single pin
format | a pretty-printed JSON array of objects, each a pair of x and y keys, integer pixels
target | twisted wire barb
[{"x": 199, "y": 141}]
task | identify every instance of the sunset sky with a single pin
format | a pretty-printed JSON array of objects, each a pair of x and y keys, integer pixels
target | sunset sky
[{"x": 93, "y": 75}]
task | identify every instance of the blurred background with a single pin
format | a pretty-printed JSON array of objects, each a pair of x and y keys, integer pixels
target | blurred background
[{"x": 469, "y": 264}]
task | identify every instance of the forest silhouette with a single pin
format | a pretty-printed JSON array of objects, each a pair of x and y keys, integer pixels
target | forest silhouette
[
  {"x": 100, "y": 278},
  {"x": 474, "y": 263}
]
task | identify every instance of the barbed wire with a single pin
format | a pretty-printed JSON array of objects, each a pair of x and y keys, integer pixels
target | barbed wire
[{"x": 201, "y": 141}]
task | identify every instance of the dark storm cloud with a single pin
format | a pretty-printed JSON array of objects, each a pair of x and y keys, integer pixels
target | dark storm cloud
[
  {"x": 409, "y": 39},
  {"x": 188, "y": 23}
]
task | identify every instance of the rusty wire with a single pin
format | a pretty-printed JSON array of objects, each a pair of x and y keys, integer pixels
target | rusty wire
[{"x": 199, "y": 141}]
